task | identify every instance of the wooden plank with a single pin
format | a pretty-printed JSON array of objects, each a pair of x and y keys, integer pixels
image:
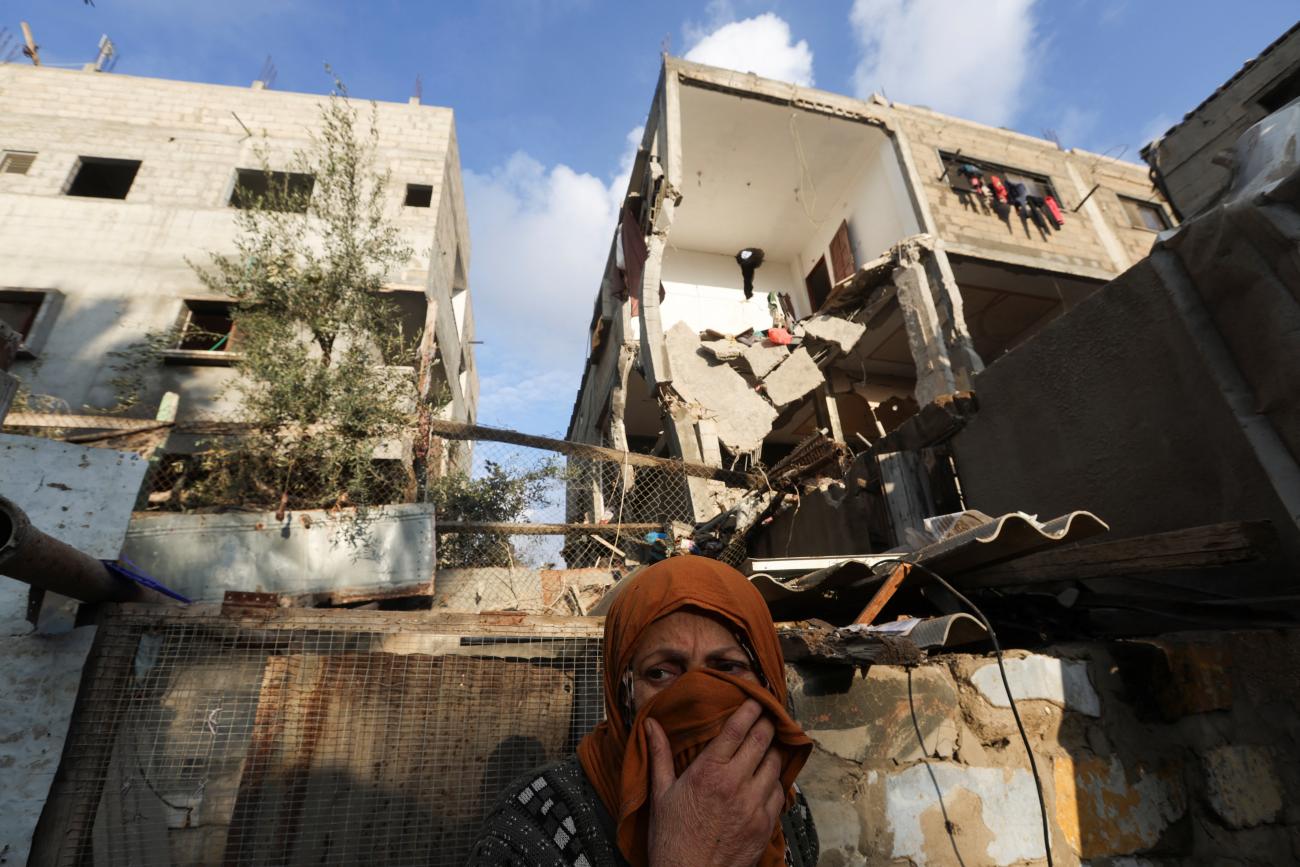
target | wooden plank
[
  {"x": 883, "y": 594},
  {"x": 1193, "y": 548},
  {"x": 359, "y": 620},
  {"x": 79, "y": 422},
  {"x": 460, "y": 430},
  {"x": 522, "y": 529},
  {"x": 905, "y": 497}
]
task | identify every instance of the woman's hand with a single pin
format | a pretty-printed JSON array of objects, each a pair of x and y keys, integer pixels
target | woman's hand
[{"x": 723, "y": 808}]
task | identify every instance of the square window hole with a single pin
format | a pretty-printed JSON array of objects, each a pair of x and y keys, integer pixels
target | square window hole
[
  {"x": 274, "y": 191},
  {"x": 207, "y": 327},
  {"x": 102, "y": 178},
  {"x": 418, "y": 195}
]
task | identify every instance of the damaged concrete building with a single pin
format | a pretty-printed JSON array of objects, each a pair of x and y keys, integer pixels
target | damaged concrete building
[
  {"x": 789, "y": 260},
  {"x": 111, "y": 185}
]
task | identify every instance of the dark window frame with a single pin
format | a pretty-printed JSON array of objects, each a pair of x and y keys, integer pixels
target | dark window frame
[
  {"x": 418, "y": 196},
  {"x": 250, "y": 186},
  {"x": 226, "y": 350},
  {"x": 37, "y": 332},
  {"x": 1134, "y": 207},
  {"x": 84, "y": 184},
  {"x": 952, "y": 161}
]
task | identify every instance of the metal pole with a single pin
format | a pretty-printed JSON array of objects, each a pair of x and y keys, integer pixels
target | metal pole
[{"x": 32, "y": 557}]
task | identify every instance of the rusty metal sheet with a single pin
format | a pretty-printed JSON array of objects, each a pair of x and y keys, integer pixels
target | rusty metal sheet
[{"x": 411, "y": 748}]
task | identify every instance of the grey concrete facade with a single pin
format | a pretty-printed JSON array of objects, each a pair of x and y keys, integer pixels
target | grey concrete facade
[{"x": 113, "y": 270}]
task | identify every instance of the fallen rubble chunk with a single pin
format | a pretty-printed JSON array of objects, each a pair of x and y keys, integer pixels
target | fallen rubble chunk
[
  {"x": 843, "y": 334},
  {"x": 763, "y": 357},
  {"x": 742, "y": 417},
  {"x": 726, "y": 349},
  {"x": 793, "y": 378}
]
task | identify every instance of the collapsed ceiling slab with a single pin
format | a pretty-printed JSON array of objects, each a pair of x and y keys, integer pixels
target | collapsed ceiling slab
[
  {"x": 762, "y": 358},
  {"x": 836, "y": 331},
  {"x": 743, "y": 419},
  {"x": 793, "y": 378}
]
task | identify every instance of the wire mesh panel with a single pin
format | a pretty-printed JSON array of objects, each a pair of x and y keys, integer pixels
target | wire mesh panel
[{"x": 310, "y": 737}]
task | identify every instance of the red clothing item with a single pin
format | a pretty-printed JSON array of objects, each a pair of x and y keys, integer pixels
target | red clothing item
[
  {"x": 999, "y": 188},
  {"x": 1055, "y": 210}
]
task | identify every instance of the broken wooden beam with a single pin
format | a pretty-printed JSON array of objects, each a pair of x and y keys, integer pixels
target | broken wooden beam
[
  {"x": 1204, "y": 547},
  {"x": 525, "y": 529},
  {"x": 816, "y": 641},
  {"x": 461, "y": 430}
]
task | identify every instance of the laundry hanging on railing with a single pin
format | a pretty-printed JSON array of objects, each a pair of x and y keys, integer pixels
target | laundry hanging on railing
[{"x": 982, "y": 189}]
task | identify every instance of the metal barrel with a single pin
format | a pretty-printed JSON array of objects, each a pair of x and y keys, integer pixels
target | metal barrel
[{"x": 42, "y": 561}]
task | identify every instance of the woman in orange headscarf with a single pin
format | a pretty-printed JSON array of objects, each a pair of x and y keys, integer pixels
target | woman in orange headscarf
[{"x": 696, "y": 759}]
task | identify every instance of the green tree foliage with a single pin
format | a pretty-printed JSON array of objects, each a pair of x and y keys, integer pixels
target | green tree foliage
[
  {"x": 496, "y": 495},
  {"x": 324, "y": 373}
]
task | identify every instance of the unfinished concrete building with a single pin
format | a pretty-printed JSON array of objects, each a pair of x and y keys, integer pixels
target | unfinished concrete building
[
  {"x": 1192, "y": 162},
  {"x": 111, "y": 185},
  {"x": 898, "y": 251}
]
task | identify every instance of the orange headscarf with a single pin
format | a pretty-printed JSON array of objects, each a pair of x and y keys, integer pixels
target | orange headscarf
[{"x": 616, "y": 756}]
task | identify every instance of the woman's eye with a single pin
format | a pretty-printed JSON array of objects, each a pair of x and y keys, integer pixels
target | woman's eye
[
  {"x": 730, "y": 666},
  {"x": 658, "y": 675}
]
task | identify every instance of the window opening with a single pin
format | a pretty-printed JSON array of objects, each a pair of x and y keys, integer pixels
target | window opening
[
  {"x": 418, "y": 195},
  {"x": 959, "y": 176},
  {"x": 1281, "y": 93},
  {"x": 1145, "y": 215},
  {"x": 818, "y": 283},
  {"x": 992, "y": 188},
  {"x": 103, "y": 178},
  {"x": 289, "y": 192},
  {"x": 208, "y": 326},
  {"x": 16, "y": 162},
  {"x": 20, "y": 309}
]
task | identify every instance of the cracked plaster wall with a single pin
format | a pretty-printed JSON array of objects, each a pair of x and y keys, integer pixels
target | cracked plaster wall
[{"x": 1180, "y": 751}]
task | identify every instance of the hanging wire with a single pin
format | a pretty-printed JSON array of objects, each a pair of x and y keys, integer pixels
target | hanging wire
[{"x": 1006, "y": 684}]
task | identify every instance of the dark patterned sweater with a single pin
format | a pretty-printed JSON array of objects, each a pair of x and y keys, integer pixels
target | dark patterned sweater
[{"x": 552, "y": 817}]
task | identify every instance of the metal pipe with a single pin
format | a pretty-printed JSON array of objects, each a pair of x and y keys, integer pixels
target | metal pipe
[{"x": 42, "y": 561}]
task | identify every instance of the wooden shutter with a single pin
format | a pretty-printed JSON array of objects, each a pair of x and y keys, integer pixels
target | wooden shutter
[{"x": 842, "y": 264}]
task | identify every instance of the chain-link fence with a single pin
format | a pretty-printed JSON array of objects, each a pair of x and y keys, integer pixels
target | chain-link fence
[
  {"x": 309, "y": 737},
  {"x": 523, "y": 523}
]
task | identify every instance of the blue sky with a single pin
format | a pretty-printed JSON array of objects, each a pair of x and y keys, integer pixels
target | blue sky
[{"x": 547, "y": 93}]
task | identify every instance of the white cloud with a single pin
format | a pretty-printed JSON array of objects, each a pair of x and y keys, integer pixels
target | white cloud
[
  {"x": 762, "y": 45},
  {"x": 970, "y": 60},
  {"x": 540, "y": 237}
]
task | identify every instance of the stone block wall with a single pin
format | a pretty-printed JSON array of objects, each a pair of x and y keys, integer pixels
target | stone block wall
[
  {"x": 1098, "y": 241},
  {"x": 1176, "y": 751}
]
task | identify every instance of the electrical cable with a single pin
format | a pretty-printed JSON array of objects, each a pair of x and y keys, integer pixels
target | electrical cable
[{"x": 1006, "y": 684}]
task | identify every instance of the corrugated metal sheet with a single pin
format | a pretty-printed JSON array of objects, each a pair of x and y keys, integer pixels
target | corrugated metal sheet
[{"x": 1007, "y": 537}]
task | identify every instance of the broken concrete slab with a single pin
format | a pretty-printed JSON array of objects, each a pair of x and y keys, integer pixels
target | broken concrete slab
[
  {"x": 841, "y": 333},
  {"x": 741, "y": 415},
  {"x": 727, "y": 349},
  {"x": 763, "y": 357},
  {"x": 796, "y": 376}
]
